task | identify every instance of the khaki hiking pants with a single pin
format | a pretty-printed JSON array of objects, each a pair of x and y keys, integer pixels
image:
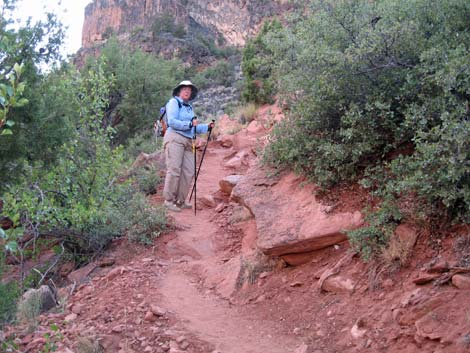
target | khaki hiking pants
[{"x": 179, "y": 166}]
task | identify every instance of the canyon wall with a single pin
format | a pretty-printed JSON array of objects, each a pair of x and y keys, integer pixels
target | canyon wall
[{"x": 233, "y": 20}]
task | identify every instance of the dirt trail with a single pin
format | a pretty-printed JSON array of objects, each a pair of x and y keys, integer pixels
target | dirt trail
[
  {"x": 203, "y": 313},
  {"x": 214, "y": 321}
]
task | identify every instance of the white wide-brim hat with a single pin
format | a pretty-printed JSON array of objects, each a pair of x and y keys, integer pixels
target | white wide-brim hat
[{"x": 194, "y": 89}]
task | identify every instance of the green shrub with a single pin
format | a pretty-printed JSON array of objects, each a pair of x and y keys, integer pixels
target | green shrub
[
  {"x": 148, "y": 222},
  {"x": 213, "y": 50},
  {"x": 381, "y": 224},
  {"x": 222, "y": 73},
  {"x": 9, "y": 294},
  {"x": 257, "y": 66},
  {"x": 29, "y": 310},
  {"x": 142, "y": 84},
  {"x": 79, "y": 199},
  {"x": 363, "y": 80},
  {"x": 142, "y": 143},
  {"x": 147, "y": 179},
  {"x": 165, "y": 23},
  {"x": 246, "y": 113}
]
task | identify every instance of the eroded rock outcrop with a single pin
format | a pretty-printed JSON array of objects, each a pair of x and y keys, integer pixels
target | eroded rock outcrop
[
  {"x": 288, "y": 217},
  {"x": 234, "y": 20}
]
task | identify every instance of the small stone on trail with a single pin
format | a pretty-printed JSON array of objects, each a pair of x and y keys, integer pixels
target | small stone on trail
[
  {"x": 70, "y": 317},
  {"x": 220, "y": 207},
  {"x": 149, "y": 317},
  {"x": 357, "y": 331},
  {"x": 261, "y": 298},
  {"x": 180, "y": 339},
  {"x": 158, "y": 311},
  {"x": 118, "y": 271},
  {"x": 461, "y": 281},
  {"x": 78, "y": 308},
  {"x": 425, "y": 278},
  {"x": 296, "y": 284},
  {"x": 303, "y": 348},
  {"x": 107, "y": 262},
  {"x": 264, "y": 275},
  {"x": 118, "y": 329},
  {"x": 208, "y": 200}
]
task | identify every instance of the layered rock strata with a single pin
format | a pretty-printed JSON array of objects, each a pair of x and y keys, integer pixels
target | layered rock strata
[{"x": 234, "y": 20}]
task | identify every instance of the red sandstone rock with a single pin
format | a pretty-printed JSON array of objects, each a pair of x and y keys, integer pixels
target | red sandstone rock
[
  {"x": 288, "y": 217},
  {"x": 228, "y": 183},
  {"x": 461, "y": 281}
]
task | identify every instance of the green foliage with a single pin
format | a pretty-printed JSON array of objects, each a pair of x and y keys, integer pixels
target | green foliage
[
  {"x": 31, "y": 46},
  {"x": 257, "y": 66},
  {"x": 29, "y": 310},
  {"x": 363, "y": 80},
  {"x": 146, "y": 142},
  {"x": 147, "y": 179},
  {"x": 381, "y": 224},
  {"x": 165, "y": 23},
  {"x": 222, "y": 73},
  {"x": 9, "y": 294},
  {"x": 148, "y": 222},
  {"x": 79, "y": 198},
  {"x": 143, "y": 83},
  {"x": 52, "y": 339},
  {"x": 245, "y": 113},
  {"x": 10, "y": 97},
  {"x": 201, "y": 46}
]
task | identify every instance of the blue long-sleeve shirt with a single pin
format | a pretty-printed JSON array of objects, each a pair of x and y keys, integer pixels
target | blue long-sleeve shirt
[{"x": 179, "y": 119}]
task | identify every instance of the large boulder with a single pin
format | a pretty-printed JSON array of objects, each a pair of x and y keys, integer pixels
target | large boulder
[
  {"x": 289, "y": 219},
  {"x": 35, "y": 301}
]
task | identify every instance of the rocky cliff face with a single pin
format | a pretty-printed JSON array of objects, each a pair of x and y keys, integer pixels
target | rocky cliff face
[{"x": 232, "y": 20}]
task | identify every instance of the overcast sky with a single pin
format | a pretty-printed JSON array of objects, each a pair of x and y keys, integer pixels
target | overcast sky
[{"x": 70, "y": 12}]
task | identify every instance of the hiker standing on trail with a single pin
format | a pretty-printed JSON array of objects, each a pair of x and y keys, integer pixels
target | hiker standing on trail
[{"x": 178, "y": 145}]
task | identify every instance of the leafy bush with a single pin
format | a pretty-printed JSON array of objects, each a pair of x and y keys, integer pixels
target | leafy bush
[
  {"x": 147, "y": 179},
  {"x": 142, "y": 84},
  {"x": 80, "y": 198},
  {"x": 246, "y": 113},
  {"x": 142, "y": 143},
  {"x": 9, "y": 294},
  {"x": 165, "y": 23},
  {"x": 257, "y": 66},
  {"x": 148, "y": 222},
  {"x": 31, "y": 47},
  {"x": 213, "y": 49},
  {"x": 222, "y": 73},
  {"x": 374, "y": 237},
  {"x": 363, "y": 80}
]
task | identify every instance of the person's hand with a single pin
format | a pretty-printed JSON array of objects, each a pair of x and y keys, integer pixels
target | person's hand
[
  {"x": 211, "y": 125},
  {"x": 194, "y": 122}
]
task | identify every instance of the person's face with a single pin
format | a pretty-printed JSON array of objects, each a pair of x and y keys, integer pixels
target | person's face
[{"x": 185, "y": 93}]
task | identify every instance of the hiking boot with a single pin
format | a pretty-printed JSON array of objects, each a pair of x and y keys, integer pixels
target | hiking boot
[
  {"x": 183, "y": 205},
  {"x": 171, "y": 206}
]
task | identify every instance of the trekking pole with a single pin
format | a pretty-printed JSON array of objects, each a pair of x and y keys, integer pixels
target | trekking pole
[
  {"x": 195, "y": 174},
  {"x": 200, "y": 162}
]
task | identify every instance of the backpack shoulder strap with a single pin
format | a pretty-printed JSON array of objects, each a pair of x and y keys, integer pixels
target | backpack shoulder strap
[{"x": 177, "y": 101}]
